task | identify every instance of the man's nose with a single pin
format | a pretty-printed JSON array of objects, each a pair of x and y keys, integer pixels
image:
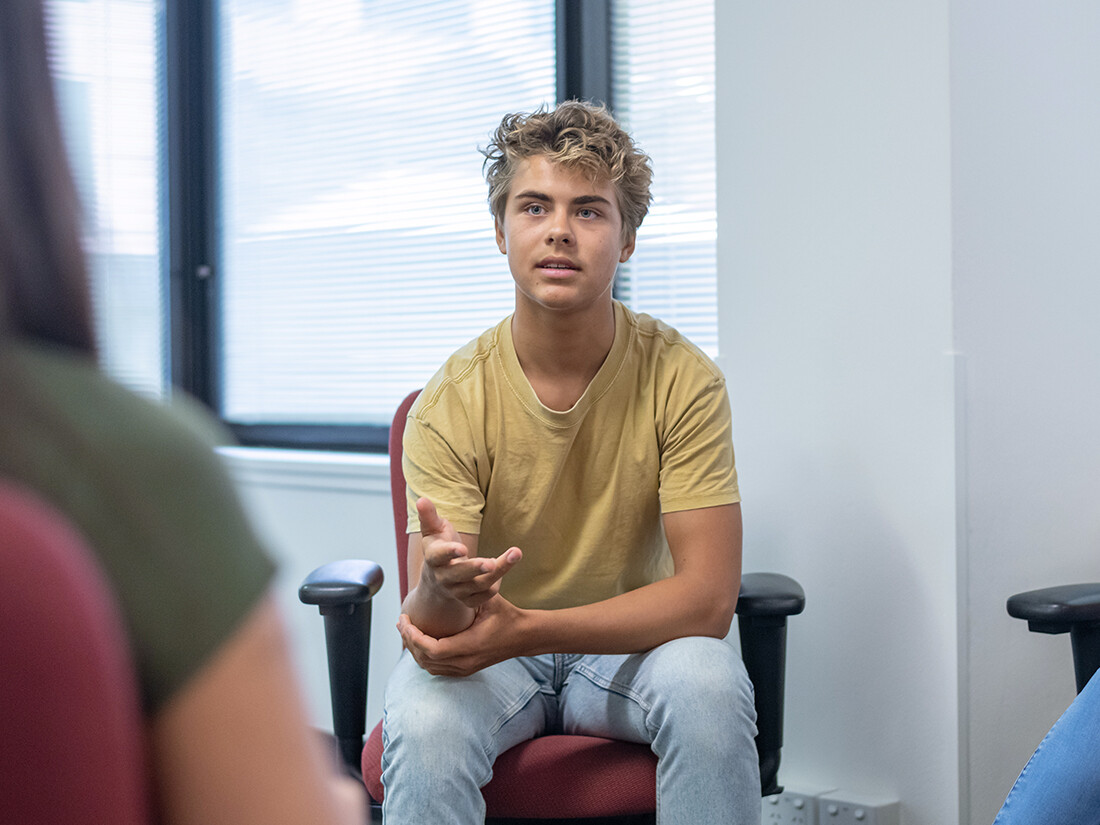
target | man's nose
[{"x": 559, "y": 230}]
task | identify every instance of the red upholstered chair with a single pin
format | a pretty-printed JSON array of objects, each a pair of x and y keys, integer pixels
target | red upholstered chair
[
  {"x": 72, "y": 746},
  {"x": 552, "y": 778}
]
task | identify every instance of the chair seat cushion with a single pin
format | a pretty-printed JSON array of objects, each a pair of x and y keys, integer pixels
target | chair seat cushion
[{"x": 555, "y": 776}]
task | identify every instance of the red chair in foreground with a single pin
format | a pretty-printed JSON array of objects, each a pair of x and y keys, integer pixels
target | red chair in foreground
[
  {"x": 552, "y": 778},
  {"x": 72, "y": 746}
]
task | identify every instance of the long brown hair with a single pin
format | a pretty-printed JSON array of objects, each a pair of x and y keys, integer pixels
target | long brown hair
[{"x": 43, "y": 273}]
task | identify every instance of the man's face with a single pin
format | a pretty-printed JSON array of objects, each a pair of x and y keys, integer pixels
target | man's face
[{"x": 562, "y": 234}]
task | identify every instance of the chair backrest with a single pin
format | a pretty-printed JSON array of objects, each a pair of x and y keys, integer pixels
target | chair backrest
[
  {"x": 397, "y": 491},
  {"x": 72, "y": 744}
]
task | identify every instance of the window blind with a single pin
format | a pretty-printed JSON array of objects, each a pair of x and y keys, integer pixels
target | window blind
[
  {"x": 358, "y": 247},
  {"x": 663, "y": 92},
  {"x": 104, "y": 57}
]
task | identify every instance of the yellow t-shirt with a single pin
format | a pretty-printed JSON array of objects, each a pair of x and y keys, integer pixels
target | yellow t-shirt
[{"x": 581, "y": 492}]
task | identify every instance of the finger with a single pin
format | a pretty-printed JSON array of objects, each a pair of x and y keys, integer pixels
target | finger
[
  {"x": 495, "y": 570},
  {"x": 442, "y": 553},
  {"x": 411, "y": 635},
  {"x": 460, "y": 576},
  {"x": 430, "y": 521},
  {"x": 479, "y": 581},
  {"x": 508, "y": 559}
]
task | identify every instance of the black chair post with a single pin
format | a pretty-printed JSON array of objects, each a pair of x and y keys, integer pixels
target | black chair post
[
  {"x": 343, "y": 591},
  {"x": 764, "y": 603},
  {"x": 1085, "y": 639}
]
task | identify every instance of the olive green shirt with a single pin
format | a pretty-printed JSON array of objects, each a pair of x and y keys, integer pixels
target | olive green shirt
[{"x": 143, "y": 485}]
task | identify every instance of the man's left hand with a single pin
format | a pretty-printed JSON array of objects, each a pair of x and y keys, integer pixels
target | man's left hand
[{"x": 493, "y": 637}]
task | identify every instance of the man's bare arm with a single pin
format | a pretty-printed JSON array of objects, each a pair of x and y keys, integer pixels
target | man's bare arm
[
  {"x": 448, "y": 580},
  {"x": 697, "y": 600}
]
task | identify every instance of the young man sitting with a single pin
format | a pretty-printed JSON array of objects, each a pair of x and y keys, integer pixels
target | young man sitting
[{"x": 575, "y": 547}]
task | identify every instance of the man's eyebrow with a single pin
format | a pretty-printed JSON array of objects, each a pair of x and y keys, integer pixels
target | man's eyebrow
[{"x": 532, "y": 194}]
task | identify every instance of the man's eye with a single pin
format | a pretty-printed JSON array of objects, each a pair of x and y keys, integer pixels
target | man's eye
[
  {"x": 535, "y": 209},
  {"x": 587, "y": 213}
]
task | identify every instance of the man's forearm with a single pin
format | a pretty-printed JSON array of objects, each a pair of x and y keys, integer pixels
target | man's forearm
[
  {"x": 437, "y": 616},
  {"x": 698, "y": 600},
  {"x": 633, "y": 622}
]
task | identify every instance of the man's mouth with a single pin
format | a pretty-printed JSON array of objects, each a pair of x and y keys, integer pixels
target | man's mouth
[{"x": 557, "y": 263}]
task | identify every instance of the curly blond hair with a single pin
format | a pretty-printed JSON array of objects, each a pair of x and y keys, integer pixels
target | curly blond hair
[{"x": 578, "y": 135}]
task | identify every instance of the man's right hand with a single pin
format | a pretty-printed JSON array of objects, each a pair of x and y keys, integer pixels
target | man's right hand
[{"x": 449, "y": 570}]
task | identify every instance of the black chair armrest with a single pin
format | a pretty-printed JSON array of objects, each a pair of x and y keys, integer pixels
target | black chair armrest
[
  {"x": 763, "y": 605},
  {"x": 1070, "y": 608},
  {"x": 1057, "y": 609},
  {"x": 342, "y": 583},
  {"x": 343, "y": 591},
  {"x": 770, "y": 594}
]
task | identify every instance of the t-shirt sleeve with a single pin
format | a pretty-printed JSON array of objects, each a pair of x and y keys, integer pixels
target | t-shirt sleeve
[
  {"x": 204, "y": 568},
  {"x": 437, "y": 466},
  {"x": 143, "y": 485},
  {"x": 697, "y": 460}
]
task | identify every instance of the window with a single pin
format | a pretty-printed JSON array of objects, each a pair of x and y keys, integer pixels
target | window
[
  {"x": 357, "y": 247},
  {"x": 302, "y": 178},
  {"x": 104, "y": 56},
  {"x": 663, "y": 92}
]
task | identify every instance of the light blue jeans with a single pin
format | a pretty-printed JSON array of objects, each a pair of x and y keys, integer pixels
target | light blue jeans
[
  {"x": 690, "y": 700},
  {"x": 1060, "y": 785}
]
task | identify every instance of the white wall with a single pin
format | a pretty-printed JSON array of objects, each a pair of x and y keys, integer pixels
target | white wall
[
  {"x": 835, "y": 278},
  {"x": 908, "y": 291},
  {"x": 896, "y": 182},
  {"x": 1026, "y": 146}
]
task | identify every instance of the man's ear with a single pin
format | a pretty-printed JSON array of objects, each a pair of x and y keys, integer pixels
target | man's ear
[
  {"x": 502, "y": 243},
  {"x": 628, "y": 249}
]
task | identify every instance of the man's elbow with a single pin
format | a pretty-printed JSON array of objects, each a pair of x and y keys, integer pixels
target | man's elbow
[{"x": 717, "y": 618}]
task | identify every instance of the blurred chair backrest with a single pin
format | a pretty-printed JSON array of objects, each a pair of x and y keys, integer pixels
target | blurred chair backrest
[
  {"x": 397, "y": 490},
  {"x": 72, "y": 742}
]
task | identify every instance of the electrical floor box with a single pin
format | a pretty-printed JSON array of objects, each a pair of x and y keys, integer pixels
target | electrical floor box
[
  {"x": 842, "y": 808},
  {"x": 789, "y": 807}
]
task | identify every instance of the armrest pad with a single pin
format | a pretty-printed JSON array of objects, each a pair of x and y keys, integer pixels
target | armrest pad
[
  {"x": 770, "y": 594},
  {"x": 1055, "y": 609},
  {"x": 352, "y": 581}
]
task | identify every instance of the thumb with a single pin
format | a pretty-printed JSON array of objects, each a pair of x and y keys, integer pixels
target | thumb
[{"x": 430, "y": 522}]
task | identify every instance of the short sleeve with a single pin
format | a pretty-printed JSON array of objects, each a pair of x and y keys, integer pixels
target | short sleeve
[
  {"x": 204, "y": 568},
  {"x": 697, "y": 459},
  {"x": 144, "y": 486},
  {"x": 439, "y": 463}
]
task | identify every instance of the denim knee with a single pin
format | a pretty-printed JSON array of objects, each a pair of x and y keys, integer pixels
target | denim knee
[
  {"x": 700, "y": 685},
  {"x": 435, "y": 723}
]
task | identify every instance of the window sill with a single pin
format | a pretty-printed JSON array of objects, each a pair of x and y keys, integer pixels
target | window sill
[{"x": 309, "y": 469}]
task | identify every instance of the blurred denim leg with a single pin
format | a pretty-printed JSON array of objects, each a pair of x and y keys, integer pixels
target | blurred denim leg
[
  {"x": 692, "y": 701},
  {"x": 441, "y": 736},
  {"x": 1060, "y": 785}
]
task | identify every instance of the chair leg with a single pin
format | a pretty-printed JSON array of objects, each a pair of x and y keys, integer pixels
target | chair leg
[
  {"x": 347, "y": 637},
  {"x": 764, "y": 651}
]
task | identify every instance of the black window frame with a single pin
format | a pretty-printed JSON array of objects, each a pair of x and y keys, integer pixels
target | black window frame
[{"x": 190, "y": 124}]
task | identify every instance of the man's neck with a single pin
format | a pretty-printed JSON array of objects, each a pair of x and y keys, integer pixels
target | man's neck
[{"x": 561, "y": 353}]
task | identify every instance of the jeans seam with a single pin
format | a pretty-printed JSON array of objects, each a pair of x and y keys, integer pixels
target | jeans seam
[
  {"x": 621, "y": 688},
  {"x": 507, "y": 716}
]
